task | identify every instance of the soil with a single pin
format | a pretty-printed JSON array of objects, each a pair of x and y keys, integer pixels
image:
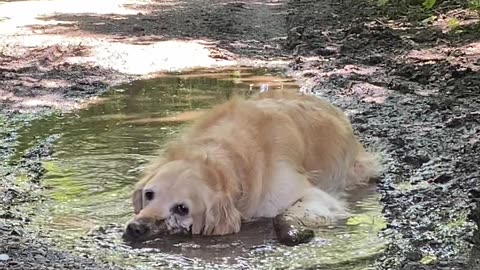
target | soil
[{"x": 410, "y": 85}]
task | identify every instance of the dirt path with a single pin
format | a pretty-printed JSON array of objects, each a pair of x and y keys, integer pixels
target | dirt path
[
  {"x": 72, "y": 49},
  {"x": 411, "y": 88}
]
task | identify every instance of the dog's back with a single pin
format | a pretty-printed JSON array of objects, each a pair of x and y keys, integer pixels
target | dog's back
[
  {"x": 315, "y": 116},
  {"x": 330, "y": 149}
]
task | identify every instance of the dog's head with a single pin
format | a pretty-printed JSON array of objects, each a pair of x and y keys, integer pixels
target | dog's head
[{"x": 181, "y": 197}]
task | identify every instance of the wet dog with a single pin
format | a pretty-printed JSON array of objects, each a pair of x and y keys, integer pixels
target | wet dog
[{"x": 276, "y": 153}]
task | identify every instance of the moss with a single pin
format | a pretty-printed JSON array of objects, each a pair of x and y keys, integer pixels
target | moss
[{"x": 428, "y": 259}]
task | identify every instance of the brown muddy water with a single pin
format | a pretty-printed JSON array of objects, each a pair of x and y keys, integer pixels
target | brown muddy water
[{"x": 102, "y": 149}]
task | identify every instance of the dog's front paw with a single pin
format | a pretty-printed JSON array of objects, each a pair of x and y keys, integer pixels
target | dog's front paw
[{"x": 226, "y": 229}]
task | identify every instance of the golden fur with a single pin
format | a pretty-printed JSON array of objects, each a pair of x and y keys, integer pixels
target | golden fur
[{"x": 257, "y": 157}]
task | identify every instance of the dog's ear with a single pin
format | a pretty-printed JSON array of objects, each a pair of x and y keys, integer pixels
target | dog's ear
[
  {"x": 137, "y": 201},
  {"x": 222, "y": 217},
  {"x": 137, "y": 197}
]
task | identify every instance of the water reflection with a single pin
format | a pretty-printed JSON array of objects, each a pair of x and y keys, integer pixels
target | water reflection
[{"x": 103, "y": 148}]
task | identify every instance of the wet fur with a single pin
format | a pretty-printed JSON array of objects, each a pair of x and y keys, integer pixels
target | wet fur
[{"x": 277, "y": 152}]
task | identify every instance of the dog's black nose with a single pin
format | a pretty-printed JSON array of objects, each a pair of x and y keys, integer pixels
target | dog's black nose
[{"x": 136, "y": 229}]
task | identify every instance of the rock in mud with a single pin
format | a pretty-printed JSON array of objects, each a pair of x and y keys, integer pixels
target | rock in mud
[
  {"x": 290, "y": 231},
  {"x": 294, "y": 37}
]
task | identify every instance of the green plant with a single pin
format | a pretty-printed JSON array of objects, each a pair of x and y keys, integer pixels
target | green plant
[
  {"x": 430, "y": 19},
  {"x": 383, "y": 2},
  {"x": 475, "y": 5},
  {"x": 453, "y": 23},
  {"x": 428, "y": 4}
]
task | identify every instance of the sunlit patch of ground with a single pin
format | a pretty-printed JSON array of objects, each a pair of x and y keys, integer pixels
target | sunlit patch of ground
[
  {"x": 456, "y": 20},
  {"x": 106, "y": 52},
  {"x": 24, "y": 104},
  {"x": 91, "y": 45},
  {"x": 19, "y": 14},
  {"x": 465, "y": 56},
  {"x": 462, "y": 50},
  {"x": 44, "y": 58}
]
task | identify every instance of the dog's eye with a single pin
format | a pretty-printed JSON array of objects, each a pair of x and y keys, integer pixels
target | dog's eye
[
  {"x": 149, "y": 195},
  {"x": 180, "y": 209}
]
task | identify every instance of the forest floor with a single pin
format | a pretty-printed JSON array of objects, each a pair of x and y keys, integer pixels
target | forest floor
[{"x": 411, "y": 84}]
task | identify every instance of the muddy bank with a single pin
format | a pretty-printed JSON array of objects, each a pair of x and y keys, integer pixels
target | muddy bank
[
  {"x": 22, "y": 246},
  {"x": 474, "y": 256},
  {"x": 411, "y": 89}
]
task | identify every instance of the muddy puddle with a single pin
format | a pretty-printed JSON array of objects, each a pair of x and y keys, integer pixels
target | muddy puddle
[{"x": 102, "y": 149}]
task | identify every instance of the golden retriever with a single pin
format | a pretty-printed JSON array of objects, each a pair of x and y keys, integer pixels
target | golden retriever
[{"x": 277, "y": 152}]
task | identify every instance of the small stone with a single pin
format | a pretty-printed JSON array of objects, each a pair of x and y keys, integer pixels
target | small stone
[
  {"x": 325, "y": 51},
  {"x": 291, "y": 232},
  {"x": 4, "y": 257},
  {"x": 414, "y": 256}
]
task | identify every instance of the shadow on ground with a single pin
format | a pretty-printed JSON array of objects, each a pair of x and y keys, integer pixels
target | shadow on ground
[
  {"x": 246, "y": 28},
  {"x": 41, "y": 79}
]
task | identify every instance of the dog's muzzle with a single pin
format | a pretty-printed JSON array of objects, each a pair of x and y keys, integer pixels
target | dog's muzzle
[
  {"x": 136, "y": 229},
  {"x": 143, "y": 229}
]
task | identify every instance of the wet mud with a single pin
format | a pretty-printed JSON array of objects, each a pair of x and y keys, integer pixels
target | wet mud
[{"x": 408, "y": 98}]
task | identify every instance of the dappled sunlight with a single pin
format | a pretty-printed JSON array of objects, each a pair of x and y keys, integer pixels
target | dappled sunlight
[
  {"x": 54, "y": 83},
  {"x": 144, "y": 59},
  {"x": 426, "y": 55},
  {"x": 262, "y": 81},
  {"x": 180, "y": 117},
  {"x": 456, "y": 20},
  {"x": 27, "y": 104},
  {"x": 221, "y": 74},
  {"x": 354, "y": 69},
  {"x": 466, "y": 56},
  {"x": 31, "y": 11},
  {"x": 129, "y": 38},
  {"x": 146, "y": 22},
  {"x": 131, "y": 58},
  {"x": 369, "y": 92},
  {"x": 134, "y": 38},
  {"x": 141, "y": 119},
  {"x": 345, "y": 71},
  {"x": 455, "y": 67}
]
